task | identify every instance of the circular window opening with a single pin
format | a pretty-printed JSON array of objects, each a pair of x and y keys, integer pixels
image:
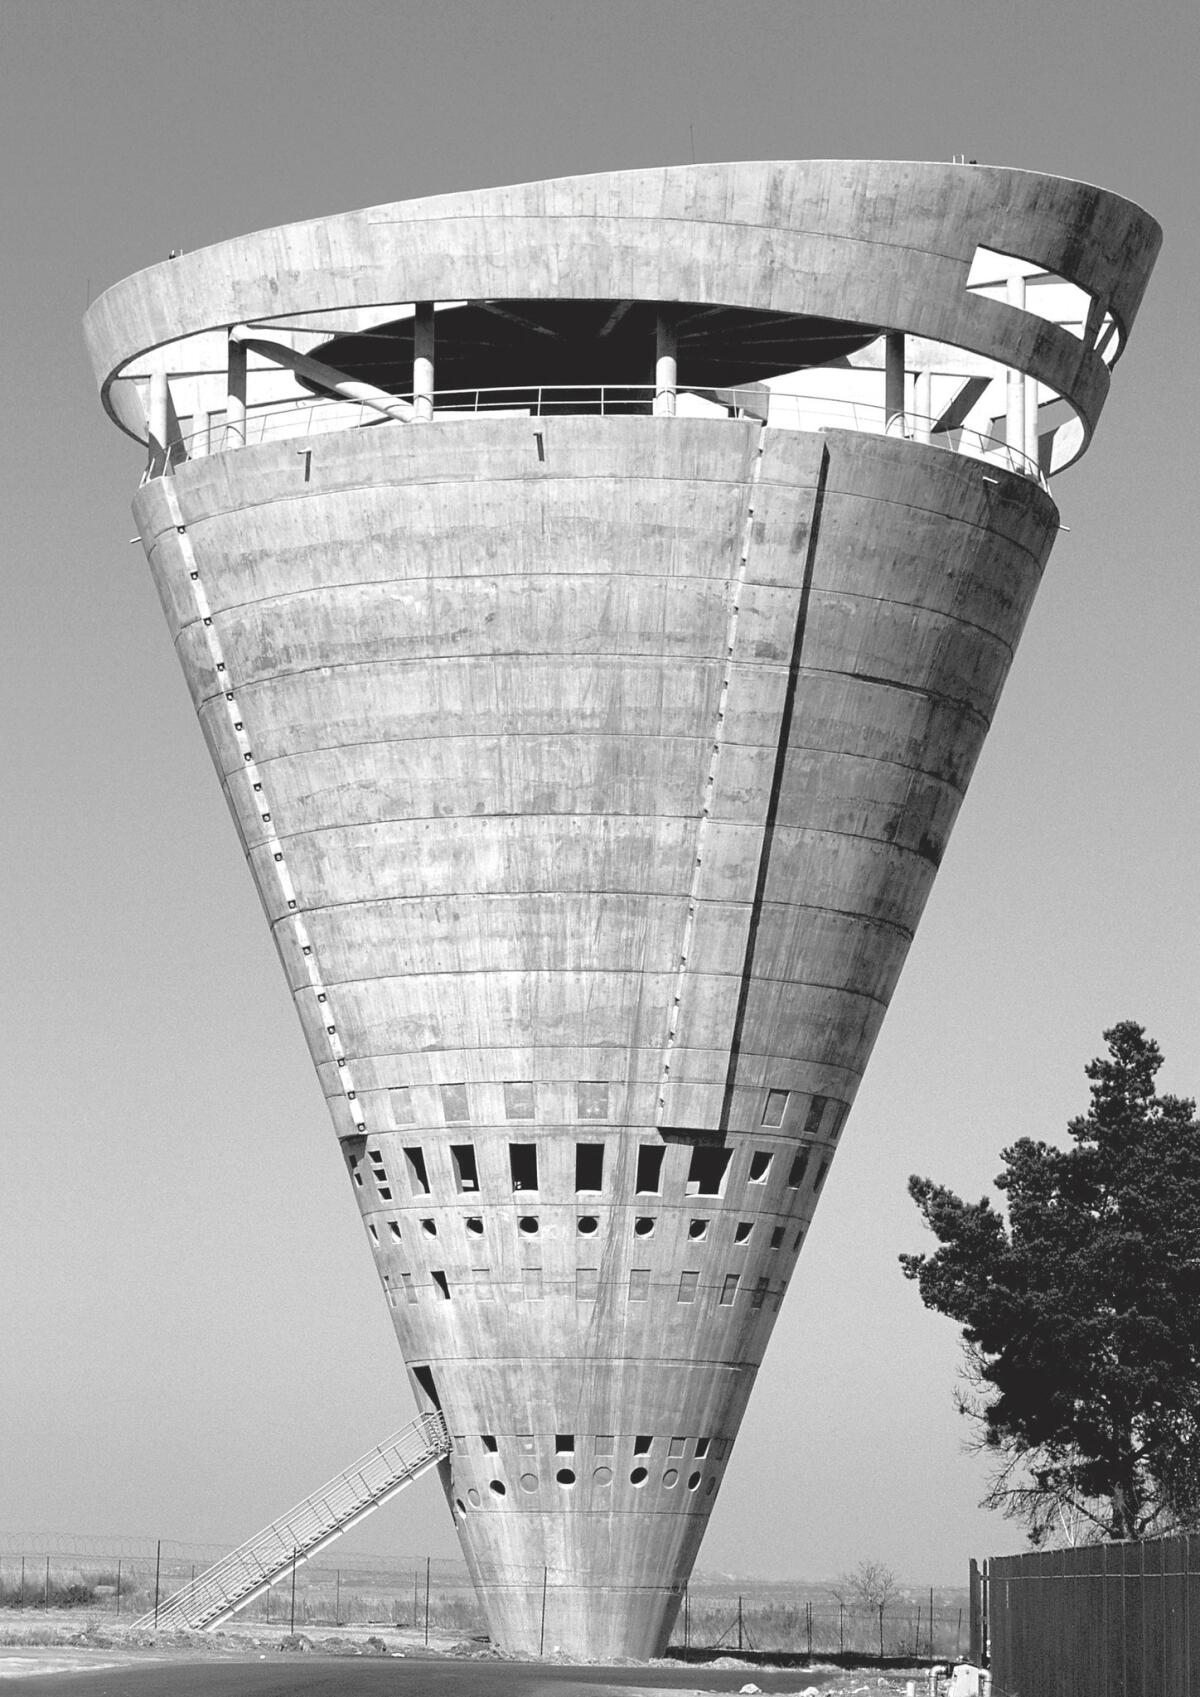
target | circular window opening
[
  {"x": 643, "y": 1226},
  {"x": 602, "y": 1476},
  {"x": 475, "y": 1224},
  {"x": 638, "y": 1476},
  {"x": 693, "y": 1481},
  {"x": 529, "y": 1481},
  {"x": 670, "y": 1477},
  {"x": 697, "y": 1228},
  {"x": 497, "y": 1488},
  {"x": 529, "y": 1225},
  {"x": 588, "y": 1224},
  {"x": 565, "y": 1476}
]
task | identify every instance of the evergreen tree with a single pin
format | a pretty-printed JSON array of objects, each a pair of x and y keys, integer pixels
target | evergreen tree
[{"x": 1081, "y": 1311}]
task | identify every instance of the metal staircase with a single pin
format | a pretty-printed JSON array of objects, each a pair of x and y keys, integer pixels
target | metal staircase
[{"x": 298, "y": 1535}]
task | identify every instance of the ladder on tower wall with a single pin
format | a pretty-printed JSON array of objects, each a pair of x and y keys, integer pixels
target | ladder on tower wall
[{"x": 306, "y": 1529}]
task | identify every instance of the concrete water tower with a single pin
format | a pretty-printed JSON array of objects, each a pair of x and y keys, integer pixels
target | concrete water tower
[{"x": 594, "y": 595}]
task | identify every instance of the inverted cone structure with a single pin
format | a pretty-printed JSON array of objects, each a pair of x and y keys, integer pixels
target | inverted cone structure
[{"x": 594, "y": 700}]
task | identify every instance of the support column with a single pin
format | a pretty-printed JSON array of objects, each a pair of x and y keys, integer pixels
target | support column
[
  {"x": 235, "y": 396},
  {"x": 1014, "y": 428},
  {"x": 1031, "y": 423},
  {"x": 893, "y": 383},
  {"x": 666, "y": 365},
  {"x": 923, "y": 406},
  {"x": 160, "y": 408},
  {"x": 423, "y": 338}
]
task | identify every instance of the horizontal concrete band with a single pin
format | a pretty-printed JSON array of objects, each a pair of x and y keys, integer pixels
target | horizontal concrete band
[{"x": 877, "y": 243}]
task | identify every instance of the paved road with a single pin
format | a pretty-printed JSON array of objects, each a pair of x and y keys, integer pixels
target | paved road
[{"x": 319, "y": 1676}]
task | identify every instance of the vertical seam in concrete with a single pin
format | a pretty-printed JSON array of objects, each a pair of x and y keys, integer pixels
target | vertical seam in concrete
[
  {"x": 785, "y": 725},
  {"x": 737, "y": 586},
  {"x": 259, "y": 801}
]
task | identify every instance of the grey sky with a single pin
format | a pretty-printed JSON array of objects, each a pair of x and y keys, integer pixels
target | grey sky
[{"x": 192, "y": 1330}]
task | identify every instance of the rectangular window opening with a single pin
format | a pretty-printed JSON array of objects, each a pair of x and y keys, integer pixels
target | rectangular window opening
[
  {"x": 816, "y": 1112},
  {"x": 417, "y": 1176},
  {"x": 760, "y": 1166},
  {"x": 649, "y": 1169},
  {"x": 589, "y": 1166},
  {"x": 482, "y": 1278},
  {"x": 466, "y": 1173},
  {"x": 410, "y": 1290},
  {"x": 799, "y": 1168},
  {"x": 489, "y": 1443},
  {"x": 518, "y": 1099},
  {"x": 822, "y": 1170},
  {"x": 777, "y": 1236},
  {"x": 400, "y": 1103},
  {"x": 776, "y": 1107},
  {"x": 373, "y": 1232},
  {"x": 442, "y": 1283},
  {"x": 639, "y": 1284},
  {"x": 455, "y": 1106},
  {"x": 706, "y": 1175},
  {"x": 394, "y": 1227},
  {"x": 702, "y": 1448},
  {"x": 729, "y": 1289},
  {"x": 523, "y": 1165},
  {"x": 531, "y": 1279},
  {"x": 760, "y": 1291},
  {"x": 687, "y": 1286},
  {"x": 587, "y": 1283}
]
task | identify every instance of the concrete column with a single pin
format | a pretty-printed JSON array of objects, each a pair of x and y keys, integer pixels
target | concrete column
[
  {"x": 893, "y": 383},
  {"x": 923, "y": 406},
  {"x": 160, "y": 409},
  {"x": 1031, "y": 422},
  {"x": 666, "y": 365},
  {"x": 423, "y": 339},
  {"x": 235, "y": 396},
  {"x": 1014, "y": 429}
]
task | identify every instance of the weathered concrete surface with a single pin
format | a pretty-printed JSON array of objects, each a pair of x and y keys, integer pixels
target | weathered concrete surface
[
  {"x": 593, "y": 772},
  {"x": 485, "y": 695}
]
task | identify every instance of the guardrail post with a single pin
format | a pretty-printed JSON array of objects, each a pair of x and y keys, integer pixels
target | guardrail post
[{"x": 423, "y": 349}]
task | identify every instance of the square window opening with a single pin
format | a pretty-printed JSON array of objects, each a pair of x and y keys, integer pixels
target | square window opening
[
  {"x": 649, "y": 1169},
  {"x": 706, "y": 1174},
  {"x": 776, "y": 1107},
  {"x": 418, "y": 1178},
  {"x": 564, "y": 1443},
  {"x": 489, "y": 1443},
  {"x": 641, "y": 1445},
  {"x": 604, "y": 1443},
  {"x": 523, "y": 1165},
  {"x": 589, "y": 1166},
  {"x": 676, "y": 1447},
  {"x": 466, "y": 1171}
]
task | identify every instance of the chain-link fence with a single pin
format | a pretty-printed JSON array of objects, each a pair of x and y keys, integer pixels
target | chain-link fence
[{"x": 432, "y": 1597}]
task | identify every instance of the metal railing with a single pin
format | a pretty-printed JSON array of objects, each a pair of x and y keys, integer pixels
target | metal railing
[
  {"x": 787, "y": 410},
  {"x": 306, "y": 1529}
]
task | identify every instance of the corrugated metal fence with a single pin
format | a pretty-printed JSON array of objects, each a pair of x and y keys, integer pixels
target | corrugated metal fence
[{"x": 1104, "y": 1620}]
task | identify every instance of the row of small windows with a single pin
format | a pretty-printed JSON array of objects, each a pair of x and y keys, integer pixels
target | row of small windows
[
  {"x": 587, "y": 1286},
  {"x": 603, "y": 1476},
  {"x": 707, "y": 1170},
  {"x": 588, "y": 1225},
  {"x": 591, "y": 1103},
  {"x": 603, "y": 1443}
]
